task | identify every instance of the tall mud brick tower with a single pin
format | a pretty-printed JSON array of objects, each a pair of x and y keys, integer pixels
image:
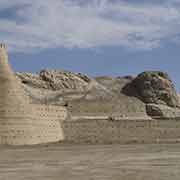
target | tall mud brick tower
[{"x": 21, "y": 122}]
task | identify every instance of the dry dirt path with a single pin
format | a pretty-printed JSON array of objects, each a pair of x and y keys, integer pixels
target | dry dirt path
[{"x": 97, "y": 162}]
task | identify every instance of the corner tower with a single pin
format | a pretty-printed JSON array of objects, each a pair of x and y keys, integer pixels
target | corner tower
[
  {"x": 11, "y": 93},
  {"x": 4, "y": 66},
  {"x": 23, "y": 123}
]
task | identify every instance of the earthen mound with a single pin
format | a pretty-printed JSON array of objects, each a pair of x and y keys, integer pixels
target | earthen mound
[
  {"x": 56, "y": 80},
  {"x": 153, "y": 87},
  {"x": 162, "y": 111},
  {"x": 122, "y": 96}
]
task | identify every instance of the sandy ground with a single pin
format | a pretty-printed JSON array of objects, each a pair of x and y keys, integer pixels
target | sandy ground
[{"x": 96, "y": 162}]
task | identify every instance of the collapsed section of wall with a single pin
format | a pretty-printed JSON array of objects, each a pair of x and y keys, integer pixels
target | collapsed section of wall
[{"x": 106, "y": 131}]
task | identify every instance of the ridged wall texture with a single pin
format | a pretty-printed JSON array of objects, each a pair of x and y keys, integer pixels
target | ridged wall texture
[
  {"x": 122, "y": 131},
  {"x": 21, "y": 122}
]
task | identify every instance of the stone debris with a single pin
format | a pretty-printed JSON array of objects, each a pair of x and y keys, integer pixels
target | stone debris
[
  {"x": 156, "y": 87},
  {"x": 162, "y": 111}
]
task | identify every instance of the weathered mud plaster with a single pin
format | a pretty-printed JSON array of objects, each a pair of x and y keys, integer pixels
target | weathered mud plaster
[{"x": 21, "y": 122}]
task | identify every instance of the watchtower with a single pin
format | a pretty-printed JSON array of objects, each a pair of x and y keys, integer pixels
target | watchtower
[
  {"x": 11, "y": 93},
  {"x": 20, "y": 121}
]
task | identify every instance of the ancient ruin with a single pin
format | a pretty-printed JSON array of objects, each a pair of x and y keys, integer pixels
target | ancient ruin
[
  {"x": 74, "y": 108},
  {"x": 21, "y": 122}
]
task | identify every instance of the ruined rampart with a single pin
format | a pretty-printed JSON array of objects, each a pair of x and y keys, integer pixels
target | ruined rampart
[
  {"x": 42, "y": 125},
  {"x": 124, "y": 131},
  {"x": 22, "y": 122}
]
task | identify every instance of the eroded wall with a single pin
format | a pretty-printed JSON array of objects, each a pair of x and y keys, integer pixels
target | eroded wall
[
  {"x": 121, "y": 131},
  {"x": 41, "y": 125},
  {"x": 22, "y": 122}
]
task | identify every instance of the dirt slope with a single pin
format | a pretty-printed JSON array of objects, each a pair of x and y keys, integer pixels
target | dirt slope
[{"x": 84, "y": 95}]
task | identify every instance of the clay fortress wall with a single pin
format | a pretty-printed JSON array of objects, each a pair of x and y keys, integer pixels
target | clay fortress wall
[
  {"x": 22, "y": 122},
  {"x": 105, "y": 130}
]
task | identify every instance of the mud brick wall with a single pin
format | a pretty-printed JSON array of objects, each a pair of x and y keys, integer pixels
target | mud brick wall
[
  {"x": 122, "y": 131},
  {"x": 21, "y": 122},
  {"x": 42, "y": 124}
]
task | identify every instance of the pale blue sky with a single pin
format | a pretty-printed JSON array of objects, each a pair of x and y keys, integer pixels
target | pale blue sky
[{"x": 97, "y": 37}]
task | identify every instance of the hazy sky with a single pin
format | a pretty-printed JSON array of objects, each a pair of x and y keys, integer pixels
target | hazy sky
[{"x": 96, "y": 37}]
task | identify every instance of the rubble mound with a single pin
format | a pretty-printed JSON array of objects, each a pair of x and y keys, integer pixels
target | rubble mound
[
  {"x": 162, "y": 111},
  {"x": 153, "y": 87},
  {"x": 151, "y": 93},
  {"x": 55, "y": 80}
]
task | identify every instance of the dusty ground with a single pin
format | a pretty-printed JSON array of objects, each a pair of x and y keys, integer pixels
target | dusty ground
[{"x": 101, "y": 162}]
